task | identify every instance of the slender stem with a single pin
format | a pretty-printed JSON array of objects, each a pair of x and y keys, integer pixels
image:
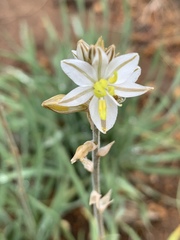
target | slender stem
[
  {"x": 96, "y": 180},
  {"x": 20, "y": 183}
]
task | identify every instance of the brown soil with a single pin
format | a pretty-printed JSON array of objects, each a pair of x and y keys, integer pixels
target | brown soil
[{"x": 156, "y": 23}]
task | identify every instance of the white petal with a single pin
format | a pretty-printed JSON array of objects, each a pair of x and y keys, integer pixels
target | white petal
[
  {"x": 124, "y": 65},
  {"x": 134, "y": 76},
  {"x": 74, "y": 53},
  {"x": 100, "y": 62},
  {"x": 131, "y": 90},
  {"x": 93, "y": 109},
  {"x": 82, "y": 73},
  {"x": 77, "y": 96},
  {"x": 111, "y": 114},
  {"x": 114, "y": 100}
]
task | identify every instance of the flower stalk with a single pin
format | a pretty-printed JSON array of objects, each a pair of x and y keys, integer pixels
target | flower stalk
[{"x": 96, "y": 180}]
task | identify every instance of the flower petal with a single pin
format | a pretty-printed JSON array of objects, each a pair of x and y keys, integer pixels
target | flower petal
[
  {"x": 94, "y": 113},
  {"x": 103, "y": 125},
  {"x": 74, "y": 53},
  {"x": 77, "y": 97},
  {"x": 100, "y": 62},
  {"x": 134, "y": 76},
  {"x": 82, "y": 73},
  {"x": 112, "y": 112},
  {"x": 130, "y": 89},
  {"x": 124, "y": 65}
]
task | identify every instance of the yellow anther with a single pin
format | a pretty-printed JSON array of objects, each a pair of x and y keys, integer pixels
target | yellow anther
[
  {"x": 113, "y": 79},
  {"x": 103, "y": 82},
  {"x": 100, "y": 88},
  {"x": 102, "y": 109},
  {"x": 111, "y": 90},
  {"x": 103, "y": 86}
]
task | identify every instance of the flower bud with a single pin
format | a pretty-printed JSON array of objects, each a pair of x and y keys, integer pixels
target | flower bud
[
  {"x": 100, "y": 42},
  {"x": 53, "y": 104}
]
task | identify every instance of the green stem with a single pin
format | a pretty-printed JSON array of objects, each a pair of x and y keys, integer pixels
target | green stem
[{"x": 96, "y": 180}]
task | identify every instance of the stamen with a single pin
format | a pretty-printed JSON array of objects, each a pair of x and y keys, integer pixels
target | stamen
[
  {"x": 103, "y": 82},
  {"x": 113, "y": 79},
  {"x": 102, "y": 109},
  {"x": 100, "y": 88},
  {"x": 103, "y": 86},
  {"x": 111, "y": 90}
]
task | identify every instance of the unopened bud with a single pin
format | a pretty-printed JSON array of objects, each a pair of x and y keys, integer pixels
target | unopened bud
[
  {"x": 100, "y": 42},
  {"x": 53, "y": 104},
  {"x": 110, "y": 51}
]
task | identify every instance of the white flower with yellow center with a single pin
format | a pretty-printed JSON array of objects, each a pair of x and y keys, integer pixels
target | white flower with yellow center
[{"x": 101, "y": 84}]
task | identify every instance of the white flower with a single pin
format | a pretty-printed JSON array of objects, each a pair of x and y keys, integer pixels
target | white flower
[{"x": 102, "y": 83}]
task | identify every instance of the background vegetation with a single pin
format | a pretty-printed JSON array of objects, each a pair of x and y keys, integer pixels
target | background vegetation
[{"x": 42, "y": 196}]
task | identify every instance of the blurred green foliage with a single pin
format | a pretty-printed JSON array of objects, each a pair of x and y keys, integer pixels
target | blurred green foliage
[{"x": 52, "y": 187}]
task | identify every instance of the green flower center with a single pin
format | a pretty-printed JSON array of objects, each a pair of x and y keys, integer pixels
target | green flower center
[{"x": 101, "y": 89}]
